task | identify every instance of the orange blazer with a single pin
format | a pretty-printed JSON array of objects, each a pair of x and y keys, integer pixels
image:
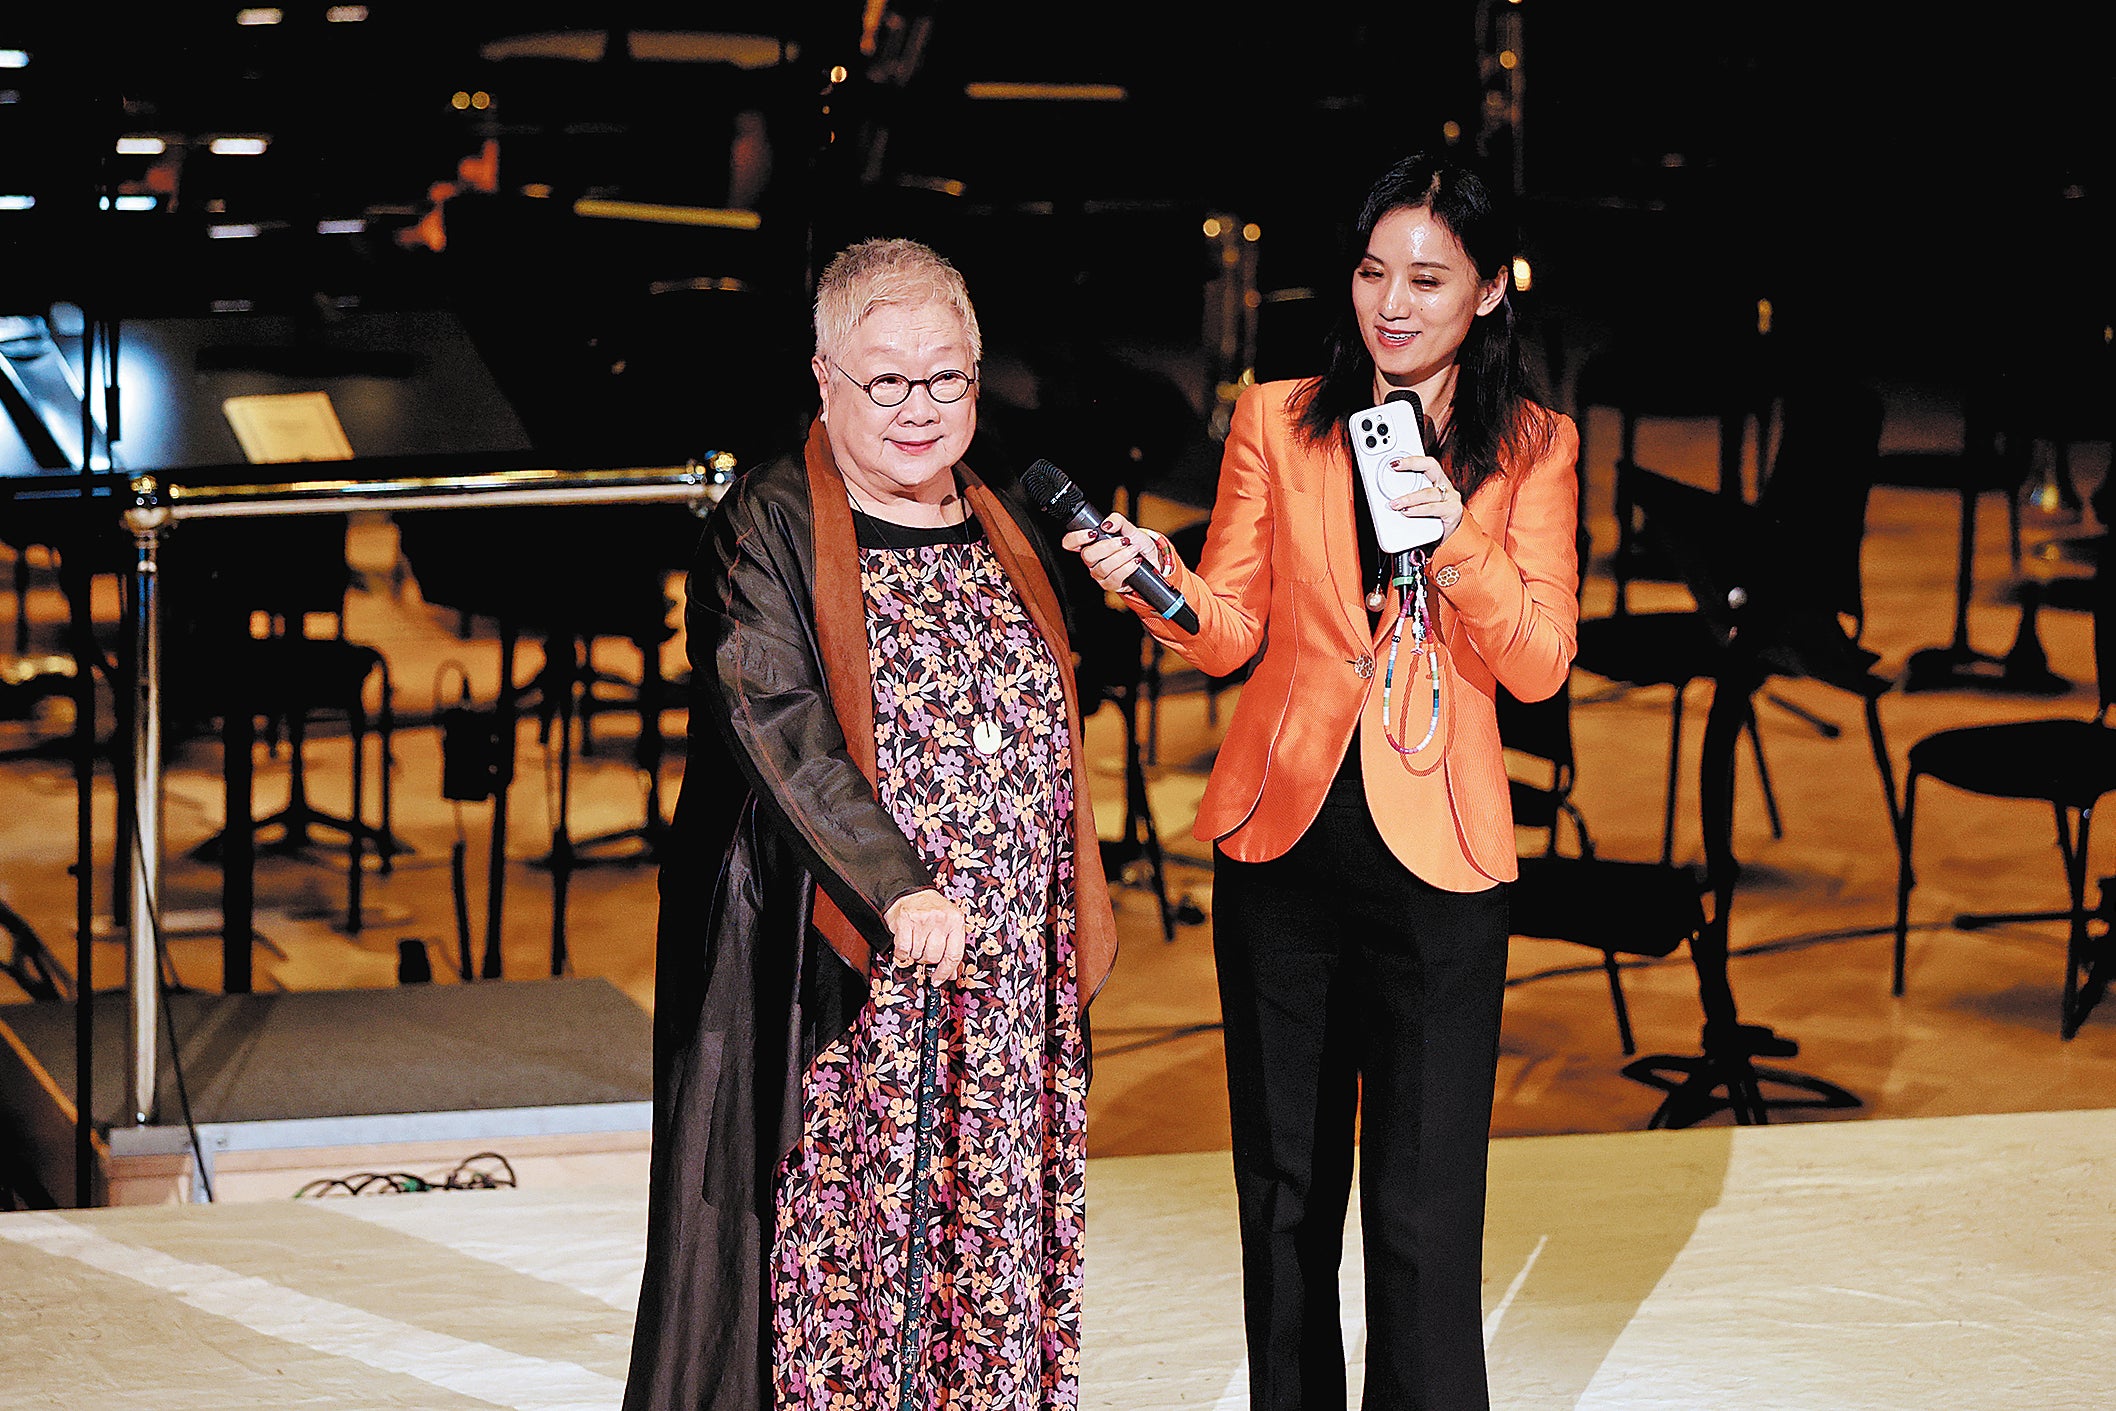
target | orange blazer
[{"x": 1280, "y": 571}]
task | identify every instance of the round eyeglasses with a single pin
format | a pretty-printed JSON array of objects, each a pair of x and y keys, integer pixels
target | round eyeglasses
[{"x": 892, "y": 389}]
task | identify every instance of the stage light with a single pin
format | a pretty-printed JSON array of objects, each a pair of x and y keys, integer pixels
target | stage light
[
  {"x": 345, "y": 14},
  {"x": 238, "y": 146},
  {"x": 259, "y": 14},
  {"x": 231, "y": 306},
  {"x": 481, "y": 101},
  {"x": 537, "y": 191},
  {"x": 17, "y": 203},
  {"x": 837, "y": 73},
  {"x": 128, "y": 203},
  {"x": 1763, "y": 315},
  {"x": 141, "y": 146},
  {"x": 1524, "y": 277},
  {"x": 1252, "y": 232},
  {"x": 1507, "y": 59},
  {"x": 461, "y": 101},
  {"x": 1451, "y": 132},
  {"x": 14, "y": 58},
  {"x": 1213, "y": 227},
  {"x": 340, "y": 227},
  {"x": 233, "y": 232}
]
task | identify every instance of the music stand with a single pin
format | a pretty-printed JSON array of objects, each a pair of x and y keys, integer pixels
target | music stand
[{"x": 1769, "y": 622}]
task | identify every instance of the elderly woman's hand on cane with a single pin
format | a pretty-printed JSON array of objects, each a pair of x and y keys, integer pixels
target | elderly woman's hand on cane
[{"x": 928, "y": 930}]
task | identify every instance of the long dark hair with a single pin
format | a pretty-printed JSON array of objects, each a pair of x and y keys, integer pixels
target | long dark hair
[{"x": 1493, "y": 419}]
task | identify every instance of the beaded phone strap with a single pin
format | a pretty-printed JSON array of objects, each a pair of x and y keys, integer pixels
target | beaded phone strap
[{"x": 1411, "y": 607}]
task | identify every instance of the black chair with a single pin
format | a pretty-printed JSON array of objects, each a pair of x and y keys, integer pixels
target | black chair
[
  {"x": 570, "y": 579},
  {"x": 1817, "y": 493},
  {"x": 219, "y": 577},
  {"x": 25, "y": 959},
  {"x": 1774, "y": 617},
  {"x": 1693, "y": 368},
  {"x": 1984, "y": 464},
  {"x": 2065, "y": 763},
  {"x": 1616, "y": 908}
]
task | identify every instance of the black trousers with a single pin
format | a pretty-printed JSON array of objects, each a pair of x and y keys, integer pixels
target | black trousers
[{"x": 1349, "y": 986}]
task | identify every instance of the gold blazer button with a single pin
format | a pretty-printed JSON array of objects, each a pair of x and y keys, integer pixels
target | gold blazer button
[{"x": 1447, "y": 576}]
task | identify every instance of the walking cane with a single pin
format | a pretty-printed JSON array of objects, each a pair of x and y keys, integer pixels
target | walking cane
[{"x": 910, "y": 1345}]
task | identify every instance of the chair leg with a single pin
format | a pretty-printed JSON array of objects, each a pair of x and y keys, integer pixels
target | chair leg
[
  {"x": 22, "y": 602},
  {"x": 1904, "y": 879},
  {"x": 1616, "y": 998},
  {"x": 1675, "y": 749},
  {"x": 355, "y": 844},
  {"x": 1626, "y": 534},
  {"x": 297, "y": 811},
  {"x": 2072, "y": 842},
  {"x": 1763, "y": 774},
  {"x": 385, "y": 730}
]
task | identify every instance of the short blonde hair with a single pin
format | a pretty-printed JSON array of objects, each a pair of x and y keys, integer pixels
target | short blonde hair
[{"x": 865, "y": 276}]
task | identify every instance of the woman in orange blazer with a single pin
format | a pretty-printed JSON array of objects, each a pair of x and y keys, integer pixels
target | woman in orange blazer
[{"x": 1363, "y": 836}]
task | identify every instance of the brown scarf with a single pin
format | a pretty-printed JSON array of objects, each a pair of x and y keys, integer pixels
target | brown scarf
[{"x": 841, "y": 632}]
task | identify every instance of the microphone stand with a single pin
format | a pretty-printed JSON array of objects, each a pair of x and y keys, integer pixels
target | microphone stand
[{"x": 1759, "y": 642}]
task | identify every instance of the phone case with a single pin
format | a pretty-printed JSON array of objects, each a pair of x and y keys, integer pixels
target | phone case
[{"x": 1379, "y": 435}]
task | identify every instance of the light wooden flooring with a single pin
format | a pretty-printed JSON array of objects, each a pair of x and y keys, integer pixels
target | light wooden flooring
[
  {"x": 1863, "y": 1267},
  {"x": 1977, "y": 1032}
]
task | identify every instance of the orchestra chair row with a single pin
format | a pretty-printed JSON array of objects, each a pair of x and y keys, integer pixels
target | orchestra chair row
[
  {"x": 2067, "y": 764},
  {"x": 217, "y": 578},
  {"x": 1644, "y": 909}
]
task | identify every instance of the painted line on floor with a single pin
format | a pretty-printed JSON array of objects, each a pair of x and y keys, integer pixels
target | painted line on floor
[
  {"x": 1498, "y": 1315},
  {"x": 467, "y": 1368}
]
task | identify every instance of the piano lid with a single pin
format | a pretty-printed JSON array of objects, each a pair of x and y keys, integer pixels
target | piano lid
[{"x": 404, "y": 383}]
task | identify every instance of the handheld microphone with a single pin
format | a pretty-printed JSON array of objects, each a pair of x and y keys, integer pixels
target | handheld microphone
[{"x": 1050, "y": 490}]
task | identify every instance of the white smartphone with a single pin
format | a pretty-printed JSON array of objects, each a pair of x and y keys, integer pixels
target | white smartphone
[{"x": 1380, "y": 435}]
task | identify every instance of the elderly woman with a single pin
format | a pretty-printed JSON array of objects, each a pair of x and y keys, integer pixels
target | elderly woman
[{"x": 880, "y": 926}]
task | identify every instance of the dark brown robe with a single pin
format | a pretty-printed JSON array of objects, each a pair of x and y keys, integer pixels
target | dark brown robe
[{"x": 779, "y": 867}]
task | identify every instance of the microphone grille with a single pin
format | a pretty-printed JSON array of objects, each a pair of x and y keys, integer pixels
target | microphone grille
[{"x": 1049, "y": 489}]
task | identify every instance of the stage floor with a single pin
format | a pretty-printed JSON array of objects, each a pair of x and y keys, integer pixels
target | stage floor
[{"x": 1927, "y": 1264}]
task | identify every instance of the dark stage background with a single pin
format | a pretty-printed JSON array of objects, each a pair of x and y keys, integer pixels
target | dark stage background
[{"x": 1912, "y": 195}]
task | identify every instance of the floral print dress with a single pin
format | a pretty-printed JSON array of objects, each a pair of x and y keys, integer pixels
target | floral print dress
[{"x": 975, "y": 764}]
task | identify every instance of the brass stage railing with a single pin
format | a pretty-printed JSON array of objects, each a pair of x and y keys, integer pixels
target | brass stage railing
[{"x": 156, "y": 508}]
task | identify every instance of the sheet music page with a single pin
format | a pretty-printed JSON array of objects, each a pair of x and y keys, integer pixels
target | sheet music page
[{"x": 287, "y": 426}]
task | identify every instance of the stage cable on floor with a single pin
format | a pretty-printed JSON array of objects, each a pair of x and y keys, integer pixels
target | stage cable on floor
[{"x": 466, "y": 1175}]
